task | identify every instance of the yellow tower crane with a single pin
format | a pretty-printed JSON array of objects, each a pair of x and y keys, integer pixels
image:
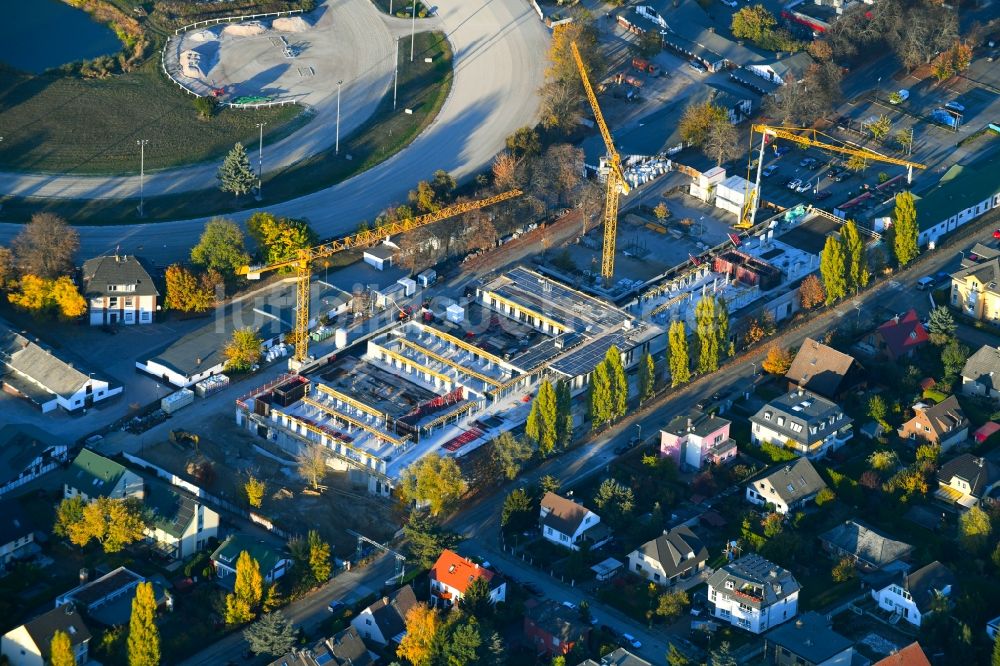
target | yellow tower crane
[
  {"x": 302, "y": 262},
  {"x": 616, "y": 183},
  {"x": 805, "y": 137}
]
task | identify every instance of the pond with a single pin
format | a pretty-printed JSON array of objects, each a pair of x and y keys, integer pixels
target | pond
[{"x": 36, "y": 35}]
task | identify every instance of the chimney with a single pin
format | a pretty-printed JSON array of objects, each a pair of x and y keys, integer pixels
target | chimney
[
  {"x": 385, "y": 601},
  {"x": 690, "y": 424},
  {"x": 84, "y": 575}
]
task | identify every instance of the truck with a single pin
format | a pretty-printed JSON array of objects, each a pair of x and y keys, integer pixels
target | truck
[{"x": 644, "y": 66}]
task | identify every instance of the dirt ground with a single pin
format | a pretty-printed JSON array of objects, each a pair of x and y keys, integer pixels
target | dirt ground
[{"x": 231, "y": 454}]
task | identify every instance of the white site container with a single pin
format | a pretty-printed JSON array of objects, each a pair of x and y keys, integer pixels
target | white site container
[
  {"x": 455, "y": 314},
  {"x": 177, "y": 400},
  {"x": 340, "y": 338},
  {"x": 409, "y": 285}
]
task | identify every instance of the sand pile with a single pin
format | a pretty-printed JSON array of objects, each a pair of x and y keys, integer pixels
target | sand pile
[
  {"x": 191, "y": 64},
  {"x": 203, "y": 36},
  {"x": 291, "y": 24},
  {"x": 248, "y": 29}
]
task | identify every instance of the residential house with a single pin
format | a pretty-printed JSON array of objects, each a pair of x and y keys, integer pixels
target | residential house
[
  {"x": 696, "y": 439},
  {"x": 899, "y": 337},
  {"x": 804, "y": 422},
  {"x": 981, "y": 373},
  {"x": 963, "y": 194},
  {"x": 274, "y": 563},
  {"x": 107, "y": 599},
  {"x": 618, "y": 657},
  {"x": 943, "y": 424},
  {"x": 809, "y": 641},
  {"x": 26, "y": 453},
  {"x": 675, "y": 555},
  {"x": 34, "y": 372},
  {"x": 567, "y": 524},
  {"x": 821, "y": 369},
  {"x": 17, "y": 534},
  {"x": 914, "y": 595},
  {"x": 870, "y": 549},
  {"x": 974, "y": 290},
  {"x": 753, "y": 593},
  {"x": 782, "y": 70},
  {"x": 911, "y": 655},
  {"x": 91, "y": 475},
  {"x": 118, "y": 291},
  {"x": 786, "y": 486},
  {"x": 385, "y": 620},
  {"x": 30, "y": 643},
  {"x": 181, "y": 525},
  {"x": 452, "y": 574},
  {"x": 966, "y": 480},
  {"x": 344, "y": 648},
  {"x": 553, "y": 629}
]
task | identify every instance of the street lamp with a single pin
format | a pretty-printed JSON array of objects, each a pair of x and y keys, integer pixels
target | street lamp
[
  {"x": 413, "y": 27},
  {"x": 260, "y": 160},
  {"x": 754, "y": 364},
  {"x": 395, "y": 75},
  {"x": 638, "y": 437},
  {"x": 142, "y": 171},
  {"x": 336, "y": 150},
  {"x": 878, "y": 87}
]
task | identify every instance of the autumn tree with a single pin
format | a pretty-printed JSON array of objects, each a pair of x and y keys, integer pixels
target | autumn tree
[
  {"x": 271, "y": 635},
  {"x": 61, "y": 650},
  {"x": 777, "y": 361},
  {"x": 433, "y": 480},
  {"x": 878, "y": 410},
  {"x": 843, "y": 570},
  {"x": 678, "y": 357},
  {"x": 254, "y": 490},
  {"x": 46, "y": 247},
  {"x": 186, "y": 292},
  {"x": 974, "y": 530},
  {"x": 143, "y": 635},
  {"x": 599, "y": 396},
  {"x": 540, "y": 427},
  {"x": 953, "y": 61},
  {"x": 419, "y": 645},
  {"x": 675, "y": 657},
  {"x": 242, "y": 351},
  {"x": 881, "y": 128},
  {"x": 857, "y": 274},
  {"x": 905, "y": 229},
  {"x": 833, "y": 268},
  {"x": 508, "y": 455},
  {"x": 884, "y": 459},
  {"x": 44, "y": 297},
  {"x": 505, "y": 176},
  {"x": 113, "y": 523},
  {"x": 562, "y": 93},
  {"x": 221, "y": 246},
  {"x": 670, "y": 605},
  {"x": 279, "y": 238},
  {"x": 524, "y": 142},
  {"x": 312, "y": 464},
  {"x": 647, "y": 377},
  {"x": 248, "y": 591},
  {"x": 8, "y": 268},
  {"x": 319, "y": 558},
  {"x": 236, "y": 175},
  {"x": 706, "y": 322},
  {"x": 707, "y": 126}
]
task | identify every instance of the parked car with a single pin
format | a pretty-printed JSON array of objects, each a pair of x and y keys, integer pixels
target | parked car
[
  {"x": 843, "y": 175},
  {"x": 804, "y": 187},
  {"x": 336, "y": 606},
  {"x": 730, "y": 3},
  {"x": 768, "y": 170},
  {"x": 899, "y": 97},
  {"x": 807, "y": 162},
  {"x": 820, "y": 196},
  {"x": 632, "y": 640},
  {"x": 925, "y": 283},
  {"x": 955, "y": 106},
  {"x": 794, "y": 184},
  {"x": 697, "y": 66},
  {"x": 569, "y": 604}
]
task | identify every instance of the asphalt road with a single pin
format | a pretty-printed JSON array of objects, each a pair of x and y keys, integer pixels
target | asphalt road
[{"x": 499, "y": 48}]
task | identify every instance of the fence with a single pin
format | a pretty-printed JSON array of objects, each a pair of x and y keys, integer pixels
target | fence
[
  {"x": 260, "y": 105},
  {"x": 235, "y": 19}
]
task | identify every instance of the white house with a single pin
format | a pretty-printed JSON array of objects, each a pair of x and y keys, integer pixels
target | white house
[
  {"x": 16, "y": 534},
  {"x": 913, "y": 595},
  {"x": 27, "y": 453},
  {"x": 566, "y": 523},
  {"x": 118, "y": 291},
  {"x": 785, "y": 486},
  {"x": 380, "y": 256},
  {"x": 753, "y": 593},
  {"x": 962, "y": 195},
  {"x": 181, "y": 525},
  {"x": 674, "y": 555},
  {"x": 273, "y": 563},
  {"x": 30, "y": 643},
  {"x": 452, "y": 574},
  {"x": 92, "y": 475},
  {"x": 385, "y": 620},
  {"x": 803, "y": 421}
]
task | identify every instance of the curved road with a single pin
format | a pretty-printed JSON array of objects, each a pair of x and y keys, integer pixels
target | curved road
[{"x": 499, "y": 48}]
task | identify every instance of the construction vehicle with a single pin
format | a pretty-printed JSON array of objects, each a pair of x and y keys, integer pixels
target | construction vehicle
[
  {"x": 615, "y": 184},
  {"x": 645, "y": 66},
  {"x": 806, "y": 138},
  {"x": 303, "y": 262}
]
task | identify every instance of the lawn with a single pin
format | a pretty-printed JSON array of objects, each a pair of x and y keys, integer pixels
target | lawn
[
  {"x": 423, "y": 88},
  {"x": 400, "y": 8}
]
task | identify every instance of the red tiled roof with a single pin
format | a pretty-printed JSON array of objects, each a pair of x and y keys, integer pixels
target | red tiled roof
[
  {"x": 905, "y": 334},
  {"x": 457, "y": 572},
  {"x": 911, "y": 655}
]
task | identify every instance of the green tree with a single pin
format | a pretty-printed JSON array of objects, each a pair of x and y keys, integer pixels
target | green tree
[
  {"x": 143, "y": 636},
  {"x": 857, "y": 262},
  {"x": 271, "y": 635},
  {"x": 463, "y": 644},
  {"x": 549, "y": 484},
  {"x": 675, "y": 657},
  {"x": 619, "y": 382},
  {"x": 221, "y": 246},
  {"x": 678, "y": 358},
  {"x": 722, "y": 326},
  {"x": 205, "y": 106},
  {"x": 671, "y": 604},
  {"x": 708, "y": 339},
  {"x": 248, "y": 591},
  {"x": 517, "y": 512},
  {"x": 435, "y": 480},
  {"x": 833, "y": 268},
  {"x": 426, "y": 538},
  {"x": 905, "y": 229},
  {"x": 564, "y": 414},
  {"x": 878, "y": 410},
  {"x": 236, "y": 175},
  {"x": 476, "y": 599},
  {"x": 883, "y": 460},
  {"x": 941, "y": 326},
  {"x": 974, "y": 530},
  {"x": 599, "y": 396},
  {"x": 508, "y": 455},
  {"x": 755, "y": 23},
  {"x": 953, "y": 357},
  {"x": 721, "y": 656},
  {"x": 541, "y": 424},
  {"x": 279, "y": 238},
  {"x": 615, "y": 499},
  {"x": 647, "y": 377},
  {"x": 319, "y": 558},
  {"x": 650, "y": 43},
  {"x": 61, "y": 650},
  {"x": 995, "y": 659},
  {"x": 524, "y": 142}
]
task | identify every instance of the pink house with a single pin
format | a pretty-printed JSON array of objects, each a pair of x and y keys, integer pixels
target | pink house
[{"x": 696, "y": 439}]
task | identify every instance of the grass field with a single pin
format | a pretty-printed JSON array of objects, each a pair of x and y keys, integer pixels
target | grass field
[
  {"x": 54, "y": 123},
  {"x": 423, "y": 87}
]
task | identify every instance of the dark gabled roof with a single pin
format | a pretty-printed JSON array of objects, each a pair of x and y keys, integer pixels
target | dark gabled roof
[
  {"x": 93, "y": 474},
  {"x": 924, "y": 583},
  {"x": 792, "y": 481},
  {"x": 945, "y": 417},
  {"x": 172, "y": 511},
  {"x": 48, "y": 375},
  {"x": 342, "y": 649},
  {"x": 810, "y": 637},
  {"x": 20, "y": 444},
  {"x": 557, "y": 620},
  {"x": 799, "y": 412},
  {"x": 65, "y": 619},
  {"x": 696, "y": 422},
  {"x": 622, "y": 657},
  {"x": 565, "y": 515},
  {"x": 677, "y": 550},
  {"x": 97, "y": 590},
  {"x": 983, "y": 367},
  {"x": 986, "y": 272},
  {"x": 266, "y": 555},
  {"x": 868, "y": 545},
  {"x": 14, "y": 524},
  {"x": 100, "y": 272},
  {"x": 390, "y": 612},
  {"x": 905, "y": 334},
  {"x": 979, "y": 473},
  {"x": 819, "y": 368}
]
